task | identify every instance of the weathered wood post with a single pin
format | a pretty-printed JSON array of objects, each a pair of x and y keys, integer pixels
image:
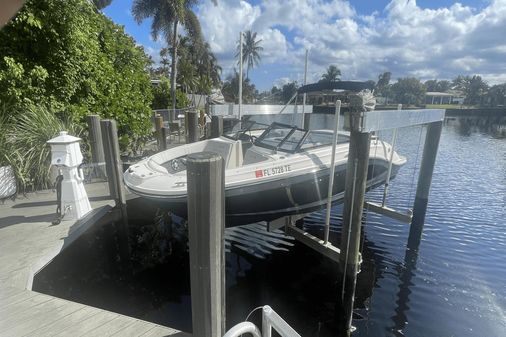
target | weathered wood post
[
  {"x": 355, "y": 186},
  {"x": 307, "y": 121},
  {"x": 96, "y": 145},
  {"x": 193, "y": 127},
  {"x": 158, "y": 130},
  {"x": 206, "y": 226},
  {"x": 430, "y": 149},
  {"x": 165, "y": 132},
  {"x": 114, "y": 169},
  {"x": 216, "y": 126}
]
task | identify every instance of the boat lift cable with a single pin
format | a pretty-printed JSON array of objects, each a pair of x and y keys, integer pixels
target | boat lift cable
[
  {"x": 389, "y": 171},
  {"x": 355, "y": 165},
  {"x": 331, "y": 173}
]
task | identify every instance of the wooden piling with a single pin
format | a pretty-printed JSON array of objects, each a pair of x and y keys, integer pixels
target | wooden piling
[
  {"x": 165, "y": 133},
  {"x": 356, "y": 179},
  {"x": 96, "y": 145},
  {"x": 114, "y": 168},
  {"x": 307, "y": 121},
  {"x": 192, "y": 127},
  {"x": 158, "y": 130},
  {"x": 430, "y": 149},
  {"x": 206, "y": 226},
  {"x": 216, "y": 126}
]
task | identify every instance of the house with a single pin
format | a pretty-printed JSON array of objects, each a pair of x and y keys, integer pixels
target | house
[{"x": 441, "y": 98}]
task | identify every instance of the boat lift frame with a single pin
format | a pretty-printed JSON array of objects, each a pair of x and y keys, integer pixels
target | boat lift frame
[{"x": 362, "y": 124}]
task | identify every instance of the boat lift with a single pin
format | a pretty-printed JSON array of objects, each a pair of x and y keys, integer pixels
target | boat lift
[{"x": 362, "y": 124}]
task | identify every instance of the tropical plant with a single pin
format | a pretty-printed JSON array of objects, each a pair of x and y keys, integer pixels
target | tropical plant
[
  {"x": 333, "y": 74},
  {"x": 26, "y": 138},
  {"x": 66, "y": 55},
  {"x": 250, "y": 51},
  {"x": 409, "y": 91},
  {"x": 166, "y": 16}
]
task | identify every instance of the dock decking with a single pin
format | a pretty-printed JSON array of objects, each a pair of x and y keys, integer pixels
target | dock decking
[{"x": 28, "y": 242}]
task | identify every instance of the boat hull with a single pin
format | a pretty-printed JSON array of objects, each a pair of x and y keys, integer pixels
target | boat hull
[{"x": 273, "y": 199}]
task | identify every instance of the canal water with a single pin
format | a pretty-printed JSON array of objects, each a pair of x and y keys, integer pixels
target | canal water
[{"x": 454, "y": 285}]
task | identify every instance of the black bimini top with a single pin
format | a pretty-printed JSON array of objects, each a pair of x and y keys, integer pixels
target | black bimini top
[{"x": 339, "y": 85}]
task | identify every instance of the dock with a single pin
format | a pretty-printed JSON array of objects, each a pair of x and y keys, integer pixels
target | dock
[{"x": 28, "y": 242}]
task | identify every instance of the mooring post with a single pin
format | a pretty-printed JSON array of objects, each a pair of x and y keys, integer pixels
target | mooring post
[
  {"x": 158, "y": 130},
  {"x": 430, "y": 149},
  {"x": 355, "y": 186},
  {"x": 165, "y": 132},
  {"x": 307, "y": 121},
  {"x": 114, "y": 169},
  {"x": 216, "y": 126},
  {"x": 193, "y": 127},
  {"x": 206, "y": 227},
  {"x": 96, "y": 145}
]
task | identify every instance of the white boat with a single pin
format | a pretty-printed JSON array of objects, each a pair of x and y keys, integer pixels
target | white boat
[{"x": 279, "y": 171}]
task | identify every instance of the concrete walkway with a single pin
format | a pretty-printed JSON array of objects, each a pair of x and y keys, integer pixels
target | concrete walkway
[{"x": 28, "y": 241}]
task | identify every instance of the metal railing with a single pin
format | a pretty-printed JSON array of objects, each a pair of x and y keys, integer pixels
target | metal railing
[{"x": 270, "y": 320}]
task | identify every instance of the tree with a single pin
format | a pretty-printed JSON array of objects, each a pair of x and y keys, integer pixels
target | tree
[
  {"x": 250, "y": 50},
  {"x": 333, "y": 74},
  {"x": 230, "y": 89},
  {"x": 409, "y": 91},
  {"x": 496, "y": 95},
  {"x": 101, "y": 4},
  {"x": 166, "y": 16},
  {"x": 473, "y": 87},
  {"x": 75, "y": 61},
  {"x": 438, "y": 86},
  {"x": 383, "y": 87},
  {"x": 288, "y": 91}
]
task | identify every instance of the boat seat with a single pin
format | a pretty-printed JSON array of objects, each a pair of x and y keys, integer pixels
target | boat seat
[{"x": 230, "y": 152}]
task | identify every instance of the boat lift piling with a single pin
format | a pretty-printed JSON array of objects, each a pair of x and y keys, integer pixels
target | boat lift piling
[
  {"x": 206, "y": 228},
  {"x": 165, "y": 133},
  {"x": 430, "y": 149}
]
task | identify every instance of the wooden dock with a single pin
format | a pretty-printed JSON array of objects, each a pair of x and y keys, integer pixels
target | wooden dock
[{"x": 28, "y": 241}]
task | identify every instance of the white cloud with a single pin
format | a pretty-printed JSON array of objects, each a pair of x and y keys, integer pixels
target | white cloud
[{"x": 404, "y": 38}]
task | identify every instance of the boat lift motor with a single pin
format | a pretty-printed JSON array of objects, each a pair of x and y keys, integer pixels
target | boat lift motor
[{"x": 67, "y": 157}]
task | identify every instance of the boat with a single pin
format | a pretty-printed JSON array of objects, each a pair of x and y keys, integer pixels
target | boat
[{"x": 270, "y": 173}]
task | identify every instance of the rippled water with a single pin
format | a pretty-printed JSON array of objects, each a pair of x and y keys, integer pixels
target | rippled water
[{"x": 455, "y": 285}]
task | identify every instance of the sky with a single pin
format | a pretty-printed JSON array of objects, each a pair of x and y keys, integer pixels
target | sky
[{"x": 426, "y": 39}]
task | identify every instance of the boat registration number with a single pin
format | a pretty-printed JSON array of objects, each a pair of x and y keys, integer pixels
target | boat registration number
[{"x": 272, "y": 171}]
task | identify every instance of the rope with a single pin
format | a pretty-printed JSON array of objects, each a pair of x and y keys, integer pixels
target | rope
[{"x": 251, "y": 313}]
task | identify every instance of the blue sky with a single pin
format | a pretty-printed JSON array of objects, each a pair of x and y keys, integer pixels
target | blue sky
[{"x": 425, "y": 39}]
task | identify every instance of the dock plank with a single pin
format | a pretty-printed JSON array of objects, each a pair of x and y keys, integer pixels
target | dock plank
[{"x": 28, "y": 242}]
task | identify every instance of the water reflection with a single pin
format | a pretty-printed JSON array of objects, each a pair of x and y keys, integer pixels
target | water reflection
[{"x": 465, "y": 126}]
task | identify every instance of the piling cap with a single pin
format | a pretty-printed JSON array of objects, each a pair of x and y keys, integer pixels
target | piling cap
[{"x": 63, "y": 138}]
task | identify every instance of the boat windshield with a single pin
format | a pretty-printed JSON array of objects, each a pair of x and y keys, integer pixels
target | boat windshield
[
  {"x": 244, "y": 128},
  {"x": 292, "y": 139}
]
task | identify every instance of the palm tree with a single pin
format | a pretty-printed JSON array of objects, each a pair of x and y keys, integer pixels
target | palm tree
[
  {"x": 333, "y": 74},
  {"x": 166, "y": 15},
  {"x": 250, "y": 50}
]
